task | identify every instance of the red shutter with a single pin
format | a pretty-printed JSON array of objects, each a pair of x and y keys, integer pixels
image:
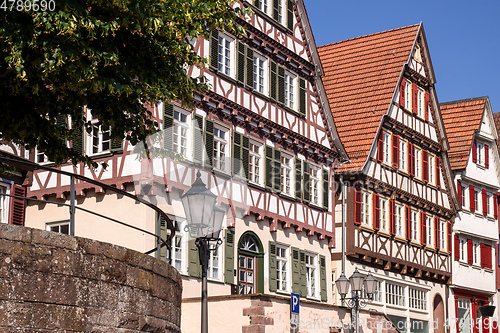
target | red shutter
[
  {"x": 471, "y": 199},
  {"x": 414, "y": 95},
  {"x": 438, "y": 172},
  {"x": 17, "y": 205},
  {"x": 357, "y": 206},
  {"x": 380, "y": 147},
  {"x": 486, "y": 156},
  {"x": 426, "y": 106},
  {"x": 488, "y": 263},
  {"x": 411, "y": 159},
  {"x": 425, "y": 165},
  {"x": 470, "y": 246},
  {"x": 408, "y": 222},
  {"x": 376, "y": 211},
  {"x": 448, "y": 224},
  {"x": 423, "y": 228},
  {"x": 392, "y": 220},
  {"x": 474, "y": 151},
  {"x": 402, "y": 94},
  {"x": 457, "y": 248},
  {"x": 436, "y": 232},
  {"x": 483, "y": 255},
  {"x": 485, "y": 203},
  {"x": 395, "y": 151},
  {"x": 459, "y": 192},
  {"x": 495, "y": 206}
]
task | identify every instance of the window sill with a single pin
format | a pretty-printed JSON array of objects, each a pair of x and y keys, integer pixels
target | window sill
[
  {"x": 256, "y": 185},
  {"x": 223, "y": 76},
  {"x": 366, "y": 228},
  {"x": 221, "y": 172},
  {"x": 283, "y": 292},
  {"x": 400, "y": 239},
  {"x": 103, "y": 154}
]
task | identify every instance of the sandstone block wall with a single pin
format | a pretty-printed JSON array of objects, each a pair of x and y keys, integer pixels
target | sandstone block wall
[{"x": 51, "y": 282}]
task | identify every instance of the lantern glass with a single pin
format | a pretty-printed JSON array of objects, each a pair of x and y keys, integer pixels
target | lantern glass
[
  {"x": 370, "y": 284},
  {"x": 217, "y": 219},
  {"x": 342, "y": 284},
  {"x": 357, "y": 280}
]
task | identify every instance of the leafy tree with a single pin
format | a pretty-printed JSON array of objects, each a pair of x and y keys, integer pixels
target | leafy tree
[{"x": 116, "y": 56}]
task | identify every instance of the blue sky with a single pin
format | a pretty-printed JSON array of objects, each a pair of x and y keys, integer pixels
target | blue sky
[{"x": 463, "y": 37}]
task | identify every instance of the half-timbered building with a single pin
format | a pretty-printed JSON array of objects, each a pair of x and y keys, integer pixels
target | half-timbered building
[
  {"x": 474, "y": 160},
  {"x": 265, "y": 143},
  {"x": 399, "y": 197}
]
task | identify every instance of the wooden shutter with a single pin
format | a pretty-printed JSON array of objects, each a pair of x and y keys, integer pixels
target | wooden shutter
[
  {"x": 168, "y": 123},
  {"x": 380, "y": 147},
  {"x": 302, "y": 97},
  {"x": 470, "y": 247},
  {"x": 303, "y": 280},
  {"x": 209, "y": 142},
  {"x": 402, "y": 93},
  {"x": 489, "y": 256},
  {"x": 392, "y": 219},
  {"x": 273, "y": 279},
  {"x": 471, "y": 199},
  {"x": 17, "y": 205},
  {"x": 295, "y": 270},
  {"x": 474, "y": 151},
  {"x": 411, "y": 159},
  {"x": 290, "y": 15},
  {"x": 485, "y": 202},
  {"x": 322, "y": 278},
  {"x": 487, "y": 156},
  {"x": 357, "y": 205},
  {"x": 198, "y": 139},
  {"x": 269, "y": 167},
  {"x": 194, "y": 267},
  {"x": 457, "y": 248},
  {"x": 495, "y": 206},
  {"x": 426, "y": 105},
  {"x": 483, "y": 255},
  {"x": 326, "y": 189},
  {"x": 245, "y": 147},
  {"x": 281, "y": 84},
  {"x": 423, "y": 228},
  {"x": 425, "y": 165},
  {"x": 459, "y": 192},
  {"x": 438, "y": 171},
  {"x": 298, "y": 178},
  {"x": 116, "y": 143},
  {"x": 436, "y": 232},
  {"x": 414, "y": 91},
  {"x": 376, "y": 211},
  {"x": 229, "y": 257},
  {"x": 276, "y": 10},
  {"x": 306, "y": 179},
  {"x": 240, "y": 61},
  {"x": 214, "y": 50},
  {"x": 249, "y": 68},
  {"x": 408, "y": 222},
  {"x": 395, "y": 151},
  {"x": 273, "y": 81},
  {"x": 237, "y": 152},
  {"x": 449, "y": 231},
  {"x": 277, "y": 170}
]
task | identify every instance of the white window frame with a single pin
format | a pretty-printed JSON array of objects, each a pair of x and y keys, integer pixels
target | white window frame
[
  {"x": 465, "y": 197},
  {"x": 408, "y": 96},
  {"x": 415, "y": 230},
  {"x": 417, "y": 299},
  {"x": 4, "y": 203},
  {"x": 226, "y": 55},
  {"x": 44, "y": 157},
  {"x": 403, "y": 165},
  {"x": 442, "y": 235},
  {"x": 283, "y": 283},
  {"x": 286, "y": 174},
  {"x": 265, "y": 6},
  {"x": 418, "y": 163},
  {"x": 365, "y": 208},
  {"x": 255, "y": 160},
  {"x": 430, "y": 231},
  {"x": 394, "y": 294},
  {"x": 477, "y": 207},
  {"x": 480, "y": 153},
  {"x": 221, "y": 148},
  {"x": 177, "y": 137},
  {"x": 178, "y": 246},
  {"x": 52, "y": 226},
  {"x": 217, "y": 267},
  {"x": 399, "y": 220},
  {"x": 432, "y": 174},
  {"x": 260, "y": 73},
  {"x": 103, "y": 137},
  {"x": 312, "y": 274},
  {"x": 314, "y": 184},
  {"x": 489, "y": 201},
  {"x": 462, "y": 249},
  {"x": 420, "y": 103},
  {"x": 387, "y": 148},
  {"x": 384, "y": 214},
  {"x": 281, "y": 12},
  {"x": 476, "y": 253},
  {"x": 290, "y": 90}
]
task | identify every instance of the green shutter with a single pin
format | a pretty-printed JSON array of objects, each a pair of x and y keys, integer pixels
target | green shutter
[
  {"x": 229, "y": 257},
  {"x": 275, "y": 10},
  {"x": 277, "y": 171},
  {"x": 237, "y": 153},
  {"x": 298, "y": 178},
  {"x": 306, "y": 180},
  {"x": 163, "y": 234},
  {"x": 295, "y": 270},
  {"x": 273, "y": 80},
  {"x": 116, "y": 143},
  {"x": 269, "y": 168},
  {"x": 302, "y": 97},
  {"x": 322, "y": 278},
  {"x": 198, "y": 139},
  {"x": 209, "y": 142},
  {"x": 79, "y": 142},
  {"x": 249, "y": 68},
  {"x": 214, "y": 50},
  {"x": 273, "y": 282},
  {"x": 168, "y": 123},
  {"x": 194, "y": 267},
  {"x": 281, "y": 84},
  {"x": 244, "y": 156},
  {"x": 326, "y": 189},
  {"x": 303, "y": 279},
  {"x": 240, "y": 65},
  {"x": 290, "y": 15}
]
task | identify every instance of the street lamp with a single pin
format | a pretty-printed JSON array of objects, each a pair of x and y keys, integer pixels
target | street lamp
[
  {"x": 204, "y": 223},
  {"x": 357, "y": 300}
]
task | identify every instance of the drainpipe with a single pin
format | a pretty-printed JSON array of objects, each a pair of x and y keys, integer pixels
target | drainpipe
[{"x": 342, "y": 189}]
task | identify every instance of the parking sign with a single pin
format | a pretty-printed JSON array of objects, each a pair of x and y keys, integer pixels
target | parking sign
[{"x": 294, "y": 303}]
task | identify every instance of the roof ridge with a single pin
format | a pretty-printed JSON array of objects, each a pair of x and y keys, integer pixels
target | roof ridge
[
  {"x": 373, "y": 34},
  {"x": 465, "y": 100}
]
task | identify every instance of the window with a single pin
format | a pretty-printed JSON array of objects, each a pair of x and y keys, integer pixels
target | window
[
  {"x": 263, "y": 5},
  {"x": 430, "y": 231},
  {"x": 417, "y": 299},
  {"x": 476, "y": 200},
  {"x": 420, "y": 103},
  {"x": 463, "y": 250},
  {"x": 475, "y": 253},
  {"x": 442, "y": 235},
  {"x": 399, "y": 216},
  {"x": 249, "y": 256},
  {"x": 290, "y": 86},
  {"x": 377, "y": 294},
  {"x": 259, "y": 74},
  {"x": 402, "y": 155},
  {"x": 418, "y": 163},
  {"x": 40, "y": 157},
  {"x": 280, "y": 11},
  {"x": 286, "y": 174},
  {"x": 254, "y": 162},
  {"x": 99, "y": 136},
  {"x": 408, "y": 97},
  {"x": 4, "y": 217},
  {"x": 487, "y": 203},
  {"x": 60, "y": 227},
  {"x": 394, "y": 294},
  {"x": 414, "y": 226},
  {"x": 480, "y": 153},
  {"x": 387, "y": 148},
  {"x": 464, "y": 315},
  {"x": 282, "y": 267},
  {"x": 213, "y": 269},
  {"x": 432, "y": 175},
  {"x": 463, "y": 196},
  {"x": 384, "y": 214},
  {"x": 225, "y": 55},
  {"x": 314, "y": 175},
  {"x": 220, "y": 148},
  {"x": 311, "y": 267},
  {"x": 365, "y": 208},
  {"x": 180, "y": 133}
]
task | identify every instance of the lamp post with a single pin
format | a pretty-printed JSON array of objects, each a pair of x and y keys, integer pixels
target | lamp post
[
  {"x": 357, "y": 299},
  {"x": 204, "y": 223}
]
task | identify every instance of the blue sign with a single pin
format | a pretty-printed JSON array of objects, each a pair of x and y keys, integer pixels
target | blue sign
[{"x": 294, "y": 303}]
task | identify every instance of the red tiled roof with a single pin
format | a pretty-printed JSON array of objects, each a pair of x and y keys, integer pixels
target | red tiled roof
[
  {"x": 461, "y": 119},
  {"x": 360, "y": 78}
]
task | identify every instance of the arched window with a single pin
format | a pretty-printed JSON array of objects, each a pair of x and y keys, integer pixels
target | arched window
[{"x": 250, "y": 264}]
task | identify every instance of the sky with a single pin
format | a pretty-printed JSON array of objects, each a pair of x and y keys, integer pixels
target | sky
[{"x": 463, "y": 37}]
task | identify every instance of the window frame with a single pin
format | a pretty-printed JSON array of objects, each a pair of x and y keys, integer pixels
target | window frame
[
  {"x": 187, "y": 125},
  {"x": 291, "y": 95},
  {"x": 384, "y": 214},
  {"x": 399, "y": 220},
  {"x": 256, "y": 76},
  {"x": 91, "y": 138},
  {"x": 462, "y": 250},
  {"x": 387, "y": 144},
  {"x": 430, "y": 230},
  {"x": 394, "y": 294},
  {"x": 311, "y": 284},
  {"x": 417, "y": 299},
  {"x": 286, "y": 261},
  {"x": 59, "y": 224},
  {"x": 476, "y": 253},
  {"x": 420, "y": 102},
  {"x": 418, "y": 163},
  {"x": 315, "y": 184},
  {"x": 284, "y": 179},
  {"x": 5, "y": 203},
  {"x": 408, "y": 95},
  {"x": 366, "y": 216},
  {"x": 403, "y": 155},
  {"x": 219, "y": 156},
  {"x": 442, "y": 234},
  {"x": 431, "y": 166},
  {"x": 415, "y": 230},
  {"x": 229, "y": 45},
  {"x": 259, "y": 166}
]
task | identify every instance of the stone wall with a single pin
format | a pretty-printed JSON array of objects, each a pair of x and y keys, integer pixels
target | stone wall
[{"x": 51, "y": 282}]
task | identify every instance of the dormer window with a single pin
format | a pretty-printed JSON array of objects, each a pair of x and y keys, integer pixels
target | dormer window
[{"x": 481, "y": 154}]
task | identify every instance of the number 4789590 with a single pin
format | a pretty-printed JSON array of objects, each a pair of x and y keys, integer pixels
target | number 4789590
[{"x": 28, "y": 5}]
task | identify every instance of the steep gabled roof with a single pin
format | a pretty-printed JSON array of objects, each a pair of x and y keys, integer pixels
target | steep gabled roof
[
  {"x": 461, "y": 119},
  {"x": 496, "y": 117},
  {"x": 361, "y": 76}
]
